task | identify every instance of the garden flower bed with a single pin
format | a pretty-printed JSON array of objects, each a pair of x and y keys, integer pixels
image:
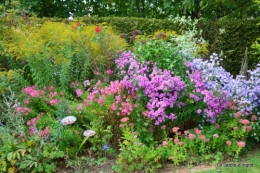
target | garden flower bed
[{"x": 144, "y": 108}]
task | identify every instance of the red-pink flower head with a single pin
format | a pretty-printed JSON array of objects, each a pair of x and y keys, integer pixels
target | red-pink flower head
[
  {"x": 191, "y": 136},
  {"x": 244, "y": 121},
  {"x": 124, "y": 120},
  {"x": 229, "y": 143},
  {"x": 98, "y": 29},
  {"x": 241, "y": 144},
  {"x": 175, "y": 129}
]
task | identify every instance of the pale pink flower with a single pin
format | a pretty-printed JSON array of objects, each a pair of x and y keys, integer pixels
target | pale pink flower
[
  {"x": 164, "y": 143},
  {"x": 125, "y": 119},
  {"x": 248, "y": 128},
  {"x": 244, "y": 121},
  {"x": 186, "y": 132},
  {"x": 79, "y": 92},
  {"x": 163, "y": 127},
  {"x": 26, "y": 101},
  {"x": 199, "y": 111},
  {"x": 241, "y": 144},
  {"x": 197, "y": 131},
  {"x": 134, "y": 133},
  {"x": 191, "y": 136},
  {"x": 150, "y": 129},
  {"x": 217, "y": 126},
  {"x": 89, "y": 133},
  {"x": 254, "y": 117},
  {"x": 171, "y": 158},
  {"x": 234, "y": 108},
  {"x": 145, "y": 113},
  {"x": 202, "y": 137},
  {"x": 235, "y": 128},
  {"x": 80, "y": 107},
  {"x": 238, "y": 114},
  {"x": 131, "y": 124},
  {"x": 175, "y": 129},
  {"x": 229, "y": 143},
  {"x": 176, "y": 140},
  {"x": 180, "y": 143},
  {"x": 121, "y": 125},
  {"x": 215, "y": 135}
]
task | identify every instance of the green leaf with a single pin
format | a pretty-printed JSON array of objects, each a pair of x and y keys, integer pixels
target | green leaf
[{"x": 9, "y": 156}]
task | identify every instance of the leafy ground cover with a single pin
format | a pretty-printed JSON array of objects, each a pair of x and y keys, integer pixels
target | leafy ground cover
[{"x": 138, "y": 107}]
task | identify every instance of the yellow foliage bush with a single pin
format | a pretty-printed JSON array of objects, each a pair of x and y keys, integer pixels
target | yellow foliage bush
[{"x": 61, "y": 42}]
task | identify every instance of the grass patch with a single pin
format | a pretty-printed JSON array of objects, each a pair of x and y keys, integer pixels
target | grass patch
[{"x": 250, "y": 165}]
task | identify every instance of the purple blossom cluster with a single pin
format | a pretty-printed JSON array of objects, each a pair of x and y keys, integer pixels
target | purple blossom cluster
[
  {"x": 245, "y": 92},
  {"x": 160, "y": 86}
]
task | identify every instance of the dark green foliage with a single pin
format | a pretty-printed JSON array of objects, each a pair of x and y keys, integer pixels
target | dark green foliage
[{"x": 232, "y": 37}]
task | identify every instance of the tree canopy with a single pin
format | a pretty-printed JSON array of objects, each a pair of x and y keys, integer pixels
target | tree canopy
[{"x": 213, "y": 9}]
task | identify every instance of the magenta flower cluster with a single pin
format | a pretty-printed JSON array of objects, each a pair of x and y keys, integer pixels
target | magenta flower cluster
[
  {"x": 160, "y": 86},
  {"x": 216, "y": 103}
]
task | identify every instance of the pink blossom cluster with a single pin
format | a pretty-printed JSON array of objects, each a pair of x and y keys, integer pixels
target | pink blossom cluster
[
  {"x": 25, "y": 110},
  {"x": 122, "y": 103},
  {"x": 33, "y": 130}
]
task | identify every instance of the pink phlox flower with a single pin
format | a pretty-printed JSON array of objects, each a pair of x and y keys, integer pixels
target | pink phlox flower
[
  {"x": 27, "y": 110},
  {"x": 100, "y": 100},
  {"x": 80, "y": 107},
  {"x": 54, "y": 101},
  {"x": 51, "y": 88},
  {"x": 113, "y": 107},
  {"x": 78, "y": 92},
  {"x": 124, "y": 120},
  {"x": 52, "y": 94},
  {"x": 109, "y": 71},
  {"x": 19, "y": 109}
]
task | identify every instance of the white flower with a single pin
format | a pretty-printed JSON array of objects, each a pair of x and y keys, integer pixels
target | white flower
[
  {"x": 89, "y": 133},
  {"x": 68, "y": 120}
]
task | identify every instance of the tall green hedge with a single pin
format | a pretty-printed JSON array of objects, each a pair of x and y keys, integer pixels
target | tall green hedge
[{"x": 232, "y": 37}]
